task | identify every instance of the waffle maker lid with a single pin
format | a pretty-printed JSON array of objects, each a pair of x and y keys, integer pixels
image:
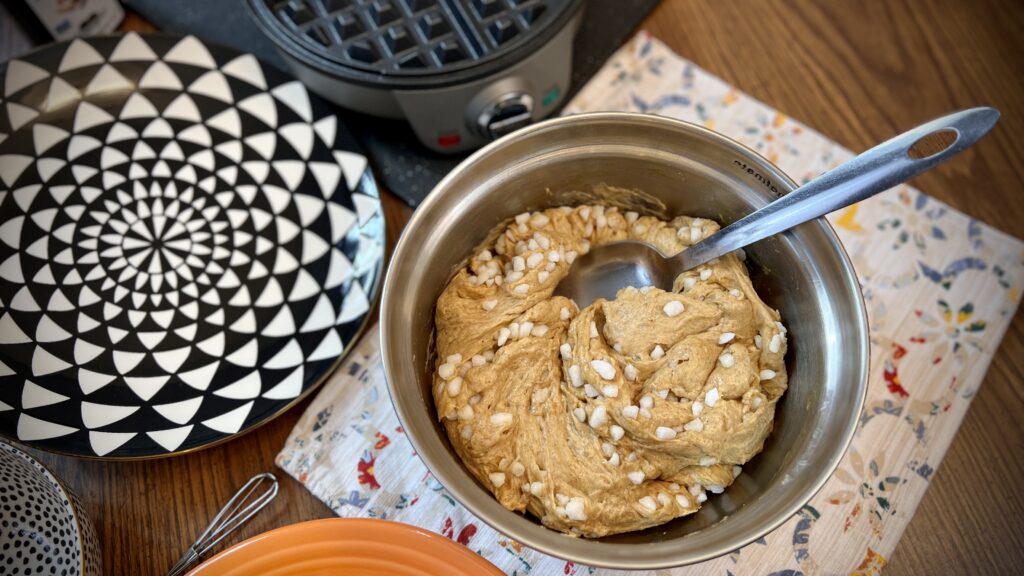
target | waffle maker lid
[{"x": 408, "y": 44}]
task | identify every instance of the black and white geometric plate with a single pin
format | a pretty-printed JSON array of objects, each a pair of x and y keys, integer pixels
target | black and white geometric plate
[{"x": 187, "y": 245}]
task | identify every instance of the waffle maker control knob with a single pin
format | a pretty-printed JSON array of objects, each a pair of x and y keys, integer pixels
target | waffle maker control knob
[{"x": 508, "y": 113}]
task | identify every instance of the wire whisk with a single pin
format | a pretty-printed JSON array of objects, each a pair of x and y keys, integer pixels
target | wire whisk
[{"x": 243, "y": 505}]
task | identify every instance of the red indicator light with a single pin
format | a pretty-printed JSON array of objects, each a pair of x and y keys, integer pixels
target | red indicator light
[{"x": 446, "y": 140}]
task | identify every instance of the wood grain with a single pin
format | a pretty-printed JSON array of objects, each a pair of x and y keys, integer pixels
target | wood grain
[
  {"x": 860, "y": 72},
  {"x": 855, "y": 71}
]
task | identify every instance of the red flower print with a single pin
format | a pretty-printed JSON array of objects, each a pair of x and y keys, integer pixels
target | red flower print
[
  {"x": 465, "y": 535},
  {"x": 365, "y": 468},
  {"x": 898, "y": 351},
  {"x": 382, "y": 441},
  {"x": 892, "y": 381},
  {"x": 891, "y": 374},
  {"x": 853, "y": 515}
]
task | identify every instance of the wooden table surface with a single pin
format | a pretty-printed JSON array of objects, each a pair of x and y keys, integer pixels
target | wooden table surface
[{"x": 857, "y": 72}]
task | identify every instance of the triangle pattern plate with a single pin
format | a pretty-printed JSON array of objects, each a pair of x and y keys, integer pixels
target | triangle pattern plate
[{"x": 173, "y": 219}]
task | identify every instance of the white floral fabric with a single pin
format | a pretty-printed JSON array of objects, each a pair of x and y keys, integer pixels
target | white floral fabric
[{"x": 941, "y": 289}]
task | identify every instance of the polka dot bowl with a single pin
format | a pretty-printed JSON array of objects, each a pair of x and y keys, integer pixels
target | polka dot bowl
[{"x": 42, "y": 527}]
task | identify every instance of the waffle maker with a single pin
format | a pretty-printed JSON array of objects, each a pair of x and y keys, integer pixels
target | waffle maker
[{"x": 462, "y": 72}]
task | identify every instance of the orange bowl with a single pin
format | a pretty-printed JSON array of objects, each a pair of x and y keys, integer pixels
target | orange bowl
[{"x": 353, "y": 547}]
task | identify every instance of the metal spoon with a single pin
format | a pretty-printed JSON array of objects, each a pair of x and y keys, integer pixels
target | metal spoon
[{"x": 606, "y": 269}]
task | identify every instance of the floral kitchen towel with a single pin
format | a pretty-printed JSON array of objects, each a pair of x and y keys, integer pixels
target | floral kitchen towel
[{"x": 941, "y": 290}]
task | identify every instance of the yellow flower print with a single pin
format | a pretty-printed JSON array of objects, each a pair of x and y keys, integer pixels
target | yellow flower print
[
  {"x": 952, "y": 329},
  {"x": 871, "y": 565},
  {"x": 845, "y": 220}
]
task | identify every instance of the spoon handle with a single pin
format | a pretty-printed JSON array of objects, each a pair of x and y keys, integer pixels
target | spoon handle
[{"x": 874, "y": 171}]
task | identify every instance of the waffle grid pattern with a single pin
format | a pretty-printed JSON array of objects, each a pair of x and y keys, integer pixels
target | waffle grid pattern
[{"x": 407, "y": 37}]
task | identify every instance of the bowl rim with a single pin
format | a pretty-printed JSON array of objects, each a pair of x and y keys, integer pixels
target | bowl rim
[
  {"x": 390, "y": 287},
  {"x": 74, "y": 505}
]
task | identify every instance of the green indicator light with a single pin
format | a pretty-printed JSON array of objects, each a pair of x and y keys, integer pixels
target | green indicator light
[{"x": 551, "y": 96}]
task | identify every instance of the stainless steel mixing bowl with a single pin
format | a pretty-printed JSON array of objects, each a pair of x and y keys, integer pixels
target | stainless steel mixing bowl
[{"x": 674, "y": 168}]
